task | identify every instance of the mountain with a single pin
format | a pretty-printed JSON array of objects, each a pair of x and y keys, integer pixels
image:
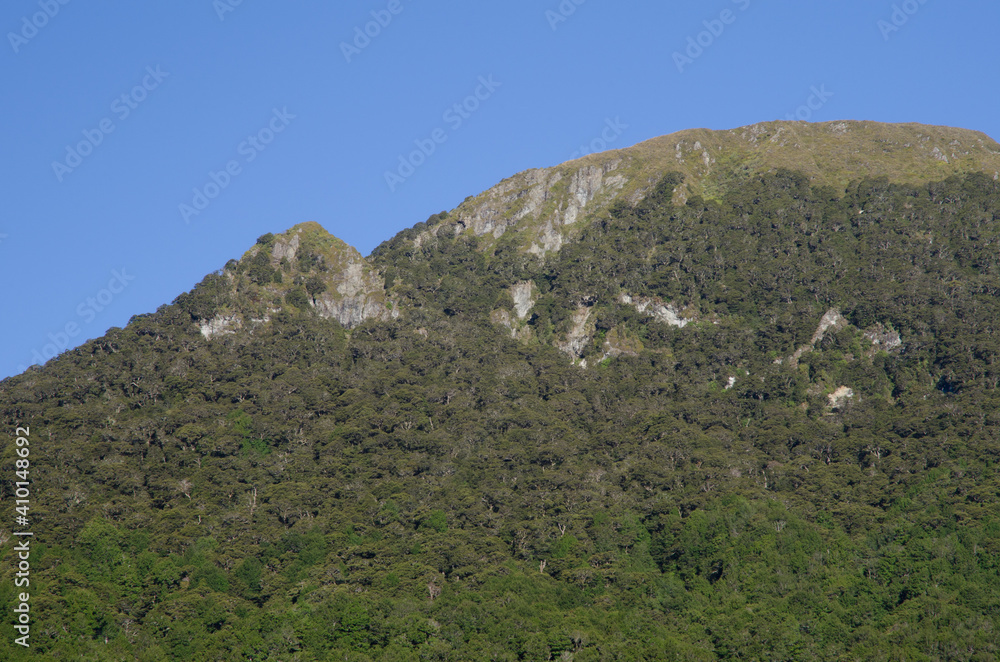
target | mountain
[
  {"x": 721, "y": 395},
  {"x": 541, "y": 204}
]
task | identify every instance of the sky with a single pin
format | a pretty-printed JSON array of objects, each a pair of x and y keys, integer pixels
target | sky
[{"x": 145, "y": 144}]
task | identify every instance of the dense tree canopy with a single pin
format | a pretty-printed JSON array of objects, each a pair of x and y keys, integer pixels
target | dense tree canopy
[{"x": 449, "y": 485}]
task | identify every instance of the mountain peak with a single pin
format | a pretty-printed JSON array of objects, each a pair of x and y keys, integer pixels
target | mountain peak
[
  {"x": 303, "y": 268},
  {"x": 307, "y": 225},
  {"x": 310, "y": 236},
  {"x": 540, "y": 204}
]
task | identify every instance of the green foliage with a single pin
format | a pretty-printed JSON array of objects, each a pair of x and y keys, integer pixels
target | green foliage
[
  {"x": 260, "y": 270},
  {"x": 431, "y": 488},
  {"x": 249, "y": 573},
  {"x": 298, "y": 297},
  {"x": 437, "y": 520},
  {"x": 315, "y": 285}
]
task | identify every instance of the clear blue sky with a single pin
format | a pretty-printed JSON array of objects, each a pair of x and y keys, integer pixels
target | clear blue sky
[{"x": 163, "y": 94}]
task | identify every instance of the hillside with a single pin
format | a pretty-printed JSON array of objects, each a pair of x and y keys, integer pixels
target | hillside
[
  {"x": 541, "y": 205},
  {"x": 739, "y": 405}
]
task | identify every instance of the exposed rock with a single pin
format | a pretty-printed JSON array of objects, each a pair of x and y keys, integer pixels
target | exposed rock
[
  {"x": 502, "y": 318},
  {"x": 882, "y": 338},
  {"x": 506, "y": 203},
  {"x": 539, "y": 201},
  {"x": 841, "y": 395},
  {"x": 351, "y": 311},
  {"x": 523, "y": 301},
  {"x": 619, "y": 343},
  {"x": 358, "y": 295},
  {"x": 549, "y": 239},
  {"x": 285, "y": 248},
  {"x": 521, "y": 293},
  {"x": 939, "y": 155},
  {"x": 220, "y": 325},
  {"x": 583, "y": 186},
  {"x": 831, "y": 319},
  {"x": 654, "y": 307},
  {"x": 350, "y": 290},
  {"x": 579, "y": 334},
  {"x": 223, "y": 325}
]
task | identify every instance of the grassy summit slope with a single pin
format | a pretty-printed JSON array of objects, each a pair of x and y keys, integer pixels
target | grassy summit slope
[
  {"x": 830, "y": 153},
  {"x": 540, "y": 206}
]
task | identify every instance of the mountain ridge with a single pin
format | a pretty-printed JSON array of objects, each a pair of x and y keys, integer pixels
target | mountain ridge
[
  {"x": 540, "y": 207},
  {"x": 941, "y": 151},
  {"x": 714, "y": 161}
]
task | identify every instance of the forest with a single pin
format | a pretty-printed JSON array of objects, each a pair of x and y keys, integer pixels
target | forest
[{"x": 800, "y": 464}]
